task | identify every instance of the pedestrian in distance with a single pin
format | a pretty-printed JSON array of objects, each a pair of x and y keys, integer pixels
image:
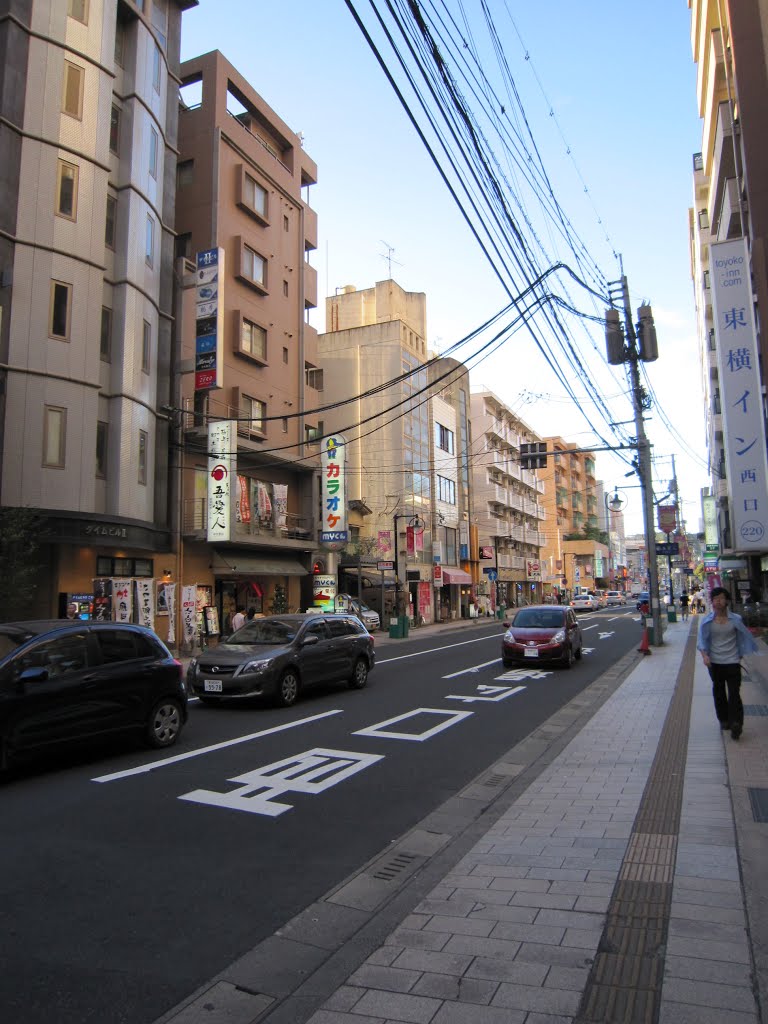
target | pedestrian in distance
[
  {"x": 684, "y": 601},
  {"x": 723, "y": 641},
  {"x": 238, "y": 619}
]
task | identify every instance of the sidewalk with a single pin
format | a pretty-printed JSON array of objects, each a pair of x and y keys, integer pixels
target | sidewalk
[{"x": 621, "y": 876}]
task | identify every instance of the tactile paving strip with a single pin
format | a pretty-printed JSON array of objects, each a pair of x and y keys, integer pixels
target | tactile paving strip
[{"x": 624, "y": 985}]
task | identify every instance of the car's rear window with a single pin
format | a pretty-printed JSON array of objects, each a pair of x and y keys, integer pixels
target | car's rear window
[{"x": 534, "y": 618}]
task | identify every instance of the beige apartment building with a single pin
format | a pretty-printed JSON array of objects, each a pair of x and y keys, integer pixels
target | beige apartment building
[
  {"x": 88, "y": 134},
  {"x": 508, "y": 503},
  {"x": 574, "y": 501},
  {"x": 243, "y": 184}
]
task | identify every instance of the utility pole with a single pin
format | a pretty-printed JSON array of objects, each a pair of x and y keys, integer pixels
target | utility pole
[{"x": 627, "y": 346}]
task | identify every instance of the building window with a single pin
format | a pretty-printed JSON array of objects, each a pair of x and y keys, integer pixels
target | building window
[
  {"x": 108, "y": 566},
  {"x": 252, "y": 415},
  {"x": 446, "y": 490},
  {"x": 285, "y": 355},
  {"x": 156, "y": 70},
  {"x": 153, "y": 147},
  {"x": 285, "y": 289},
  {"x": 314, "y": 377},
  {"x": 185, "y": 173},
  {"x": 110, "y": 227},
  {"x": 149, "y": 242},
  {"x": 54, "y": 436},
  {"x": 60, "y": 310},
  {"x": 146, "y": 346},
  {"x": 444, "y": 438},
  {"x": 114, "y": 130},
  {"x": 120, "y": 43},
  {"x": 143, "y": 438},
  {"x": 102, "y": 434},
  {"x": 312, "y": 435},
  {"x": 285, "y": 424},
  {"x": 105, "y": 342},
  {"x": 78, "y": 9},
  {"x": 253, "y": 267},
  {"x": 254, "y": 196},
  {"x": 253, "y": 340},
  {"x": 286, "y": 224},
  {"x": 72, "y": 102},
  {"x": 183, "y": 245},
  {"x": 66, "y": 190}
]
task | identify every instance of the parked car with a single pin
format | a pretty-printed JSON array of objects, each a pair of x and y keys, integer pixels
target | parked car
[
  {"x": 279, "y": 656},
  {"x": 66, "y": 682},
  {"x": 369, "y": 618},
  {"x": 614, "y": 598},
  {"x": 600, "y": 597},
  {"x": 542, "y": 633},
  {"x": 584, "y": 603}
]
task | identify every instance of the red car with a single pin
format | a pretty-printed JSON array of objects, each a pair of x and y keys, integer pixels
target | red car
[{"x": 542, "y": 633}]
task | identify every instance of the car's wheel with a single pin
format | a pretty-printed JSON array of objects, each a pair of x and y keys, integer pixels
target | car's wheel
[
  {"x": 288, "y": 688},
  {"x": 568, "y": 659},
  {"x": 507, "y": 663},
  {"x": 359, "y": 676},
  {"x": 165, "y": 722},
  {"x": 577, "y": 654}
]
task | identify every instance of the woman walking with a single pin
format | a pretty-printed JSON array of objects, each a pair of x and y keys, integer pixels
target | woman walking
[{"x": 723, "y": 641}]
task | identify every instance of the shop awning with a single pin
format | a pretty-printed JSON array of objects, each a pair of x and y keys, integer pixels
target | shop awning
[
  {"x": 234, "y": 564},
  {"x": 456, "y": 576}
]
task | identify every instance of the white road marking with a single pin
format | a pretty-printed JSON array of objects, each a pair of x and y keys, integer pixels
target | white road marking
[
  {"x": 604, "y": 636},
  {"x": 499, "y": 693},
  {"x": 142, "y": 769},
  {"x": 593, "y": 626},
  {"x": 310, "y": 772},
  {"x": 382, "y": 731},
  {"x": 474, "y": 668},
  {"x": 434, "y": 650},
  {"x": 524, "y": 673}
]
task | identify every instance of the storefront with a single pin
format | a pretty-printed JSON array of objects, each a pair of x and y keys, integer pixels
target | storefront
[{"x": 267, "y": 583}]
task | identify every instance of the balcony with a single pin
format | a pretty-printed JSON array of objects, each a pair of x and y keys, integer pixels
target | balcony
[
  {"x": 310, "y": 227},
  {"x": 310, "y": 286},
  {"x": 295, "y": 532}
]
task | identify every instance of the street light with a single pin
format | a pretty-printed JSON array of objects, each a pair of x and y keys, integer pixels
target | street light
[{"x": 613, "y": 504}]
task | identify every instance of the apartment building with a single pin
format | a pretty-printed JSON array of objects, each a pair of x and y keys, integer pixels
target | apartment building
[
  {"x": 243, "y": 194},
  {"x": 88, "y": 134},
  {"x": 729, "y": 265},
  {"x": 574, "y": 557},
  {"x": 508, "y": 502}
]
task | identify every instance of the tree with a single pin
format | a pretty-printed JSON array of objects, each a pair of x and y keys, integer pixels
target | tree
[{"x": 20, "y": 530}]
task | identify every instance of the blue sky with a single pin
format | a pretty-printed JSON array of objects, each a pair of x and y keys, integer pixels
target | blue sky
[{"x": 610, "y": 81}]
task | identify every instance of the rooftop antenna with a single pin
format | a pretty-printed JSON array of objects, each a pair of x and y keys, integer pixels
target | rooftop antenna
[{"x": 388, "y": 257}]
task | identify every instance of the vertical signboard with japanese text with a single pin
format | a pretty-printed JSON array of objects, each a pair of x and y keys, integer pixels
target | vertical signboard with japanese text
[
  {"x": 740, "y": 393},
  {"x": 209, "y": 320},
  {"x": 222, "y": 462},
  {"x": 333, "y": 493}
]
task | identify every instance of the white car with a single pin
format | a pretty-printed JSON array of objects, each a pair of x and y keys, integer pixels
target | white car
[
  {"x": 584, "y": 603},
  {"x": 614, "y": 598}
]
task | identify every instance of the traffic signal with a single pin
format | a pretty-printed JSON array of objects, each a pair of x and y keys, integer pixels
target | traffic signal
[
  {"x": 533, "y": 456},
  {"x": 614, "y": 337}
]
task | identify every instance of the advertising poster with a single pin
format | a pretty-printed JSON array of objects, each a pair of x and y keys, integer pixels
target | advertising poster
[
  {"x": 170, "y": 600},
  {"x": 333, "y": 524},
  {"x": 102, "y": 600},
  {"x": 145, "y": 600},
  {"x": 324, "y": 592},
  {"x": 189, "y": 613},
  {"x": 122, "y": 592}
]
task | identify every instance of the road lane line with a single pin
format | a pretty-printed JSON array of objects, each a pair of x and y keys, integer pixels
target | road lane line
[
  {"x": 142, "y": 769},
  {"x": 433, "y": 650},
  {"x": 474, "y": 668}
]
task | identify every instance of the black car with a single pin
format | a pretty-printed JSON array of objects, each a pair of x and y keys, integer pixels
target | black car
[
  {"x": 542, "y": 633},
  {"x": 280, "y": 655},
  {"x": 68, "y": 682}
]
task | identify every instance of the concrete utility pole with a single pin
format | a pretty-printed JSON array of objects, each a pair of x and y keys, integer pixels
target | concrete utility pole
[{"x": 624, "y": 347}]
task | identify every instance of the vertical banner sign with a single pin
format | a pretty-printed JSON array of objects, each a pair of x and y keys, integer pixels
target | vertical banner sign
[
  {"x": 122, "y": 593},
  {"x": 221, "y": 467},
  {"x": 742, "y": 404},
  {"x": 102, "y": 600},
  {"x": 189, "y": 613},
  {"x": 145, "y": 599},
  {"x": 667, "y": 518},
  {"x": 170, "y": 600},
  {"x": 333, "y": 489},
  {"x": 709, "y": 509},
  {"x": 209, "y": 320},
  {"x": 533, "y": 570},
  {"x": 463, "y": 540}
]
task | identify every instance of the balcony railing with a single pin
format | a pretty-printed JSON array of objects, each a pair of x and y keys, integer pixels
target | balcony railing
[{"x": 292, "y": 527}]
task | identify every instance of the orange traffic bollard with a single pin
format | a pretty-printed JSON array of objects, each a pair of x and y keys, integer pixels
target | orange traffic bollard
[{"x": 644, "y": 647}]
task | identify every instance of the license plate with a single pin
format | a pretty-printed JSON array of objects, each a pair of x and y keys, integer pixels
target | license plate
[
  {"x": 531, "y": 652},
  {"x": 212, "y": 686}
]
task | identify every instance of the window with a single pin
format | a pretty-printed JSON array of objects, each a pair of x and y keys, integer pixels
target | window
[
  {"x": 72, "y": 101},
  {"x": 285, "y": 355},
  {"x": 286, "y": 224},
  {"x": 446, "y": 490},
  {"x": 156, "y": 70},
  {"x": 285, "y": 424},
  {"x": 444, "y": 438},
  {"x": 146, "y": 346},
  {"x": 253, "y": 340},
  {"x": 114, "y": 130},
  {"x": 120, "y": 43},
  {"x": 183, "y": 245},
  {"x": 143, "y": 456},
  {"x": 314, "y": 377},
  {"x": 153, "y": 146},
  {"x": 149, "y": 242},
  {"x": 312, "y": 435},
  {"x": 66, "y": 190},
  {"x": 107, "y": 566},
  {"x": 54, "y": 436},
  {"x": 105, "y": 340},
  {"x": 59, "y": 314},
  {"x": 102, "y": 435},
  {"x": 78, "y": 9},
  {"x": 185, "y": 173},
  {"x": 253, "y": 412},
  {"x": 254, "y": 267},
  {"x": 285, "y": 289},
  {"x": 254, "y": 196},
  {"x": 110, "y": 227}
]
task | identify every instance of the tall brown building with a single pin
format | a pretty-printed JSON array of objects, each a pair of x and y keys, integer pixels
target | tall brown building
[{"x": 243, "y": 183}]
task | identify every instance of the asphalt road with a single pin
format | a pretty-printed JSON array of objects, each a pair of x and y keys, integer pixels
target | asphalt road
[{"x": 123, "y": 889}]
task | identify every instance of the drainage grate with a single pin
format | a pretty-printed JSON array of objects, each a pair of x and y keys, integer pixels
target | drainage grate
[
  {"x": 399, "y": 863},
  {"x": 759, "y": 800},
  {"x": 756, "y": 709}
]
